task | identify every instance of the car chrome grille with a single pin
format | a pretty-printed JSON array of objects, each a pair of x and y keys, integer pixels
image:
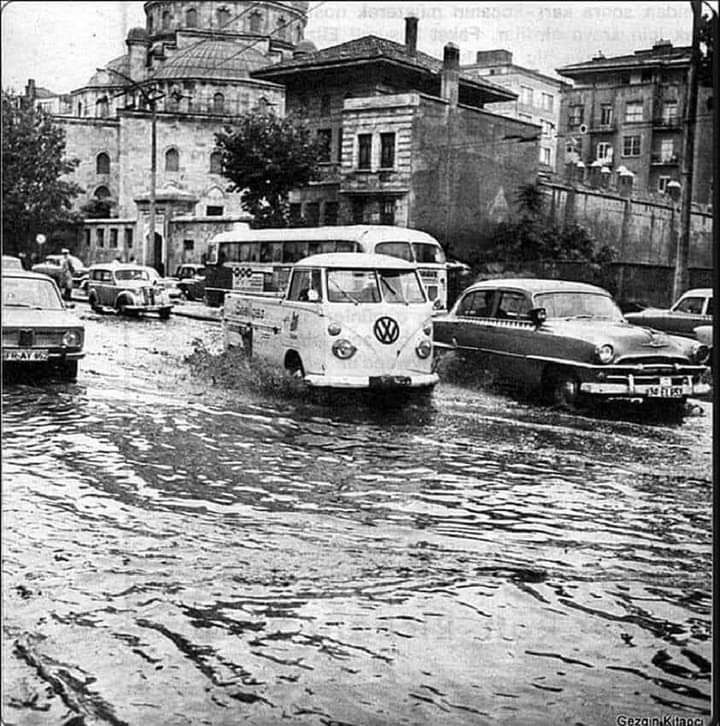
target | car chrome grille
[
  {"x": 30, "y": 338},
  {"x": 26, "y": 337},
  {"x": 656, "y": 361}
]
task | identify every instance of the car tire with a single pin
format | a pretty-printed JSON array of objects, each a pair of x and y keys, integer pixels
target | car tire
[
  {"x": 94, "y": 302},
  {"x": 563, "y": 388},
  {"x": 68, "y": 370},
  {"x": 164, "y": 313}
]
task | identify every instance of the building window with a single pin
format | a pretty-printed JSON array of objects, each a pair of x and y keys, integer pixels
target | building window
[
  {"x": 102, "y": 193},
  {"x": 213, "y": 211},
  {"x": 255, "y": 22},
  {"x": 191, "y": 18},
  {"x": 387, "y": 211},
  {"x": 280, "y": 29},
  {"x": 80, "y": 109},
  {"x": 295, "y": 212},
  {"x": 646, "y": 76},
  {"x": 358, "y": 211},
  {"x": 223, "y": 17},
  {"x": 331, "y": 214},
  {"x": 312, "y": 213},
  {"x": 633, "y": 112},
  {"x": 339, "y": 145},
  {"x": 87, "y": 237},
  {"x": 526, "y": 96},
  {"x": 625, "y": 79},
  {"x": 113, "y": 238},
  {"x": 102, "y": 107},
  {"x": 387, "y": 151},
  {"x": 102, "y": 164},
  {"x": 324, "y": 137},
  {"x": 545, "y": 156},
  {"x": 606, "y": 114},
  {"x": 128, "y": 237},
  {"x": 216, "y": 162},
  {"x": 603, "y": 151},
  {"x": 631, "y": 145},
  {"x": 188, "y": 245},
  {"x": 547, "y": 127},
  {"x": 576, "y": 115},
  {"x": 548, "y": 101},
  {"x": 667, "y": 150},
  {"x": 218, "y": 103},
  {"x": 166, "y": 20},
  {"x": 364, "y": 150},
  {"x": 100, "y": 237},
  {"x": 670, "y": 112},
  {"x": 325, "y": 105},
  {"x": 662, "y": 183},
  {"x": 149, "y": 23},
  {"x": 172, "y": 160}
]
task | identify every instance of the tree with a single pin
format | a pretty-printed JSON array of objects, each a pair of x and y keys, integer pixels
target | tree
[
  {"x": 35, "y": 197},
  {"x": 264, "y": 157}
]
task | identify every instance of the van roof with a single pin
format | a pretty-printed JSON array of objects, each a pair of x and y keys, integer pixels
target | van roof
[
  {"x": 350, "y": 233},
  {"x": 355, "y": 260}
]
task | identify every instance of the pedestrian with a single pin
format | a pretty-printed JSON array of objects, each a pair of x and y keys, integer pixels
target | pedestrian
[{"x": 66, "y": 275}]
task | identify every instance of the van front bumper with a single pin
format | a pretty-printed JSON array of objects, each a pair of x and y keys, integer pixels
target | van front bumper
[{"x": 387, "y": 382}]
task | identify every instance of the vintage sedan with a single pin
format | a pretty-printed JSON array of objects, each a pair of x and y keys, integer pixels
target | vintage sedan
[
  {"x": 128, "y": 289},
  {"x": 191, "y": 279},
  {"x": 692, "y": 309},
  {"x": 37, "y": 329},
  {"x": 570, "y": 340},
  {"x": 11, "y": 263},
  {"x": 52, "y": 266}
]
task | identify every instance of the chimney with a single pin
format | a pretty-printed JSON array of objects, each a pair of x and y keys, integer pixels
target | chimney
[
  {"x": 30, "y": 92},
  {"x": 411, "y": 31},
  {"x": 450, "y": 74}
]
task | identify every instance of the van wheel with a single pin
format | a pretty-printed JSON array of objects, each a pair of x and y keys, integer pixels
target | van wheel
[
  {"x": 294, "y": 366},
  {"x": 562, "y": 387}
]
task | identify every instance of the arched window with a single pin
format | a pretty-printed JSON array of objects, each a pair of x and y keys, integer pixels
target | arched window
[
  {"x": 191, "y": 18},
  {"x": 80, "y": 109},
  {"x": 102, "y": 164},
  {"x": 262, "y": 105},
  {"x": 166, "y": 20},
  {"x": 281, "y": 28},
  {"x": 172, "y": 160},
  {"x": 216, "y": 162},
  {"x": 255, "y": 22},
  {"x": 223, "y": 16},
  {"x": 102, "y": 193},
  {"x": 218, "y": 105},
  {"x": 149, "y": 23},
  {"x": 102, "y": 108}
]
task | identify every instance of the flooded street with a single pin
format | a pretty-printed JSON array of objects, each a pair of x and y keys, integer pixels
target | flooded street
[{"x": 179, "y": 551}]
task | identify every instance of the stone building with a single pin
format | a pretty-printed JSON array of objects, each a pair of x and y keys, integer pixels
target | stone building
[
  {"x": 195, "y": 59},
  {"x": 623, "y": 119},
  {"x": 407, "y": 138},
  {"x": 538, "y": 97}
]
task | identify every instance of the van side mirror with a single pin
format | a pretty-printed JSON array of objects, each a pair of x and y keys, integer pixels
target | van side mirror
[{"x": 538, "y": 316}]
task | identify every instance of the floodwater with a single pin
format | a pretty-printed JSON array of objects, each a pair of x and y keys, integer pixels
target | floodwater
[{"x": 178, "y": 550}]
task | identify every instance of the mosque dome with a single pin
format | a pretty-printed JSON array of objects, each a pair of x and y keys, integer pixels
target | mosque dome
[{"x": 104, "y": 77}]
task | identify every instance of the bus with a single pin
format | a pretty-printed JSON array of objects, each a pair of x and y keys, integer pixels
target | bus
[{"x": 259, "y": 260}]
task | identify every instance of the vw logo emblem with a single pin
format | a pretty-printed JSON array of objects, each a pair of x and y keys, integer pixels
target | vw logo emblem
[{"x": 386, "y": 330}]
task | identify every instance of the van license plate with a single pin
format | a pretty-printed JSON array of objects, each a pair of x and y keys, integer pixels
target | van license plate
[
  {"x": 665, "y": 392},
  {"x": 29, "y": 356}
]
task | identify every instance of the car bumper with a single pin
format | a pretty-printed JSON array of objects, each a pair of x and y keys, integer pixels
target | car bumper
[
  {"x": 25, "y": 356},
  {"x": 630, "y": 388},
  {"x": 387, "y": 382},
  {"x": 147, "y": 308}
]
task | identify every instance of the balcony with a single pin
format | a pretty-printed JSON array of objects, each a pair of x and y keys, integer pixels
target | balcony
[
  {"x": 608, "y": 128},
  {"x": 670, "y": 123},
  {"x": 659, "y": 159}
]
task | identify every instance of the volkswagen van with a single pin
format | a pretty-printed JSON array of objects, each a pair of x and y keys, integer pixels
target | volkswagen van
[{"x": 345, "y": 320}]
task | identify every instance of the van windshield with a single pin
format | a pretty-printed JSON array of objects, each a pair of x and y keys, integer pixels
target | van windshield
[
  {"x": 372, "y": 286},
  {"x": 400, "y": 286}
]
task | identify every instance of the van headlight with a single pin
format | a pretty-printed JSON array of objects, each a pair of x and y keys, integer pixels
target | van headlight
[
  {"x": 334, "y": 329},
  {"x": 71, "y": 339},
  {"x": 427, "y": 327},
  {"x": 423, "y": 348},
  {"x": 343, "y": 349},
  {"x": 604, "y": 353}
]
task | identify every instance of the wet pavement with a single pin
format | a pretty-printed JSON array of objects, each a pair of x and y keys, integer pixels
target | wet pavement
[{"x": 203, "y": 544}]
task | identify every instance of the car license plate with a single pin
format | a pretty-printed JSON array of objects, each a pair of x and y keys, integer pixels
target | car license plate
[
  {"x": 28, "y": 356},
  {"x": 665, "y": 392}
]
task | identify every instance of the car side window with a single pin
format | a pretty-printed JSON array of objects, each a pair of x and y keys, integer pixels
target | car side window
[
  {"x": 709, "y": 307},
  {"x": 690, "y": 306},
  {"x": 513, "y": 306},
  {"x": 476, "y": 304}
]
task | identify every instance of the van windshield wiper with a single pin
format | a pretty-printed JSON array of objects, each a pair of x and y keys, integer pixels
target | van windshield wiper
[
  {"x": 393, "y": 291},
  {"x": 343, "y": 292}
]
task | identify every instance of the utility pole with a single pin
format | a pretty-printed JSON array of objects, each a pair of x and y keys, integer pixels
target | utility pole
[{"x": 681, "y": 281}]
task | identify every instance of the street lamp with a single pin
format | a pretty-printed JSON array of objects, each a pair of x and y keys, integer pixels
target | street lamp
[{"x": 150, "y": 100}]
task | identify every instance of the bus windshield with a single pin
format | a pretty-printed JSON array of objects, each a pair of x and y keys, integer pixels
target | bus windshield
[{"x": 428, "y": 253}]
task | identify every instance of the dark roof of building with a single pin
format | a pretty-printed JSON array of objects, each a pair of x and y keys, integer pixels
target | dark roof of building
[
  {"x": 212, "y": 59},
  {"x": 103, "y": 78},
  {"x": 138, "y": 34},
  {"x": 372, "y": 47},
  {"x": 661, "y": 53}
]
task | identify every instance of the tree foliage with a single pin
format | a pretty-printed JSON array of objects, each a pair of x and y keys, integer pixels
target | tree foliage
[
  {"x": 264, "y": 157},
  {"x": 35, "y": 197}
]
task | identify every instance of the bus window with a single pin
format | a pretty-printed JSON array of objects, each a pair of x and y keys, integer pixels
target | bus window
[
  {"x": 346, "y": 247},
  {"x": 428, "y": 253},
  {"x": 249, "y": 252},
  {"x": 294, "y": 251},
  {"x": 395, "y": 249},
  {"x": 271, "y": 252}
]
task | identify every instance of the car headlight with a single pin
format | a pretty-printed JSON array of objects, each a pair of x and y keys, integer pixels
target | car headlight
[
  {"x": 423, "y": 348},
  {"x": 604, "y": 353},
  {"x": 334, "y": 329},
  {"x": 701, "y": 354},
  {"x": 71, "y": 339},
  {"x": 343, "y": 349}
]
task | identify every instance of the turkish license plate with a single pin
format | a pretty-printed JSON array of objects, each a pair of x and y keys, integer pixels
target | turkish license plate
[
  {"x": 389, "y": 381},
  {"x": 26, "y": 356},
  {"x": 665, "y": 392}
]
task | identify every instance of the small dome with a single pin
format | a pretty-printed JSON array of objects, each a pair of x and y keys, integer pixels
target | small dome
[
  {"x": 305, "y": 46},
  {"x": 136, "y": 35}
]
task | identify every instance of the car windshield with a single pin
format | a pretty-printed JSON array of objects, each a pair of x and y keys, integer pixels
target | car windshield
[
  {"x": 23, "y": 292},
  {"x": 135, "y": 274},
  {"x": 578, "y": 305},
  {"x": 400, "y": 286}
]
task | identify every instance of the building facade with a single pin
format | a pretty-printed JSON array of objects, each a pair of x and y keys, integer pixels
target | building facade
[
  {"x": 538, "y": 97},
  {"x": 192, "y": 61},
  {"x": 624, "y": 117},
  {"x": 407, "y": 139}
]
